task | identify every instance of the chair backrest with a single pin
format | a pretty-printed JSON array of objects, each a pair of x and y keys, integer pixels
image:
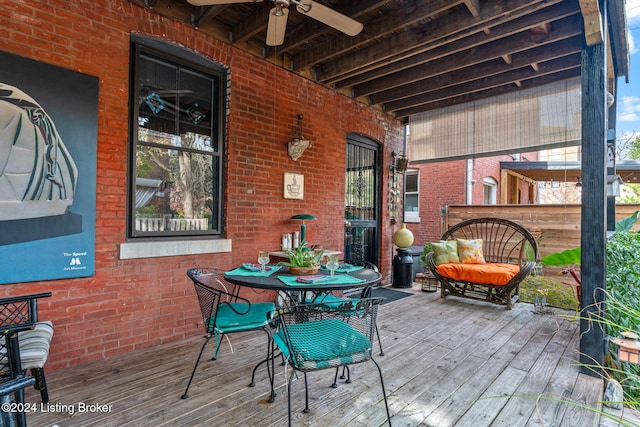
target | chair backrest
[
  {"x": 213, "y": 291},
  {"x": 319, "y": 336},
  {"x": 503, "y": 241},
  {"x": 17, "y": 314}
]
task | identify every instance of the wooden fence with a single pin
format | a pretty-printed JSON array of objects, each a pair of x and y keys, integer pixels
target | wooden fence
[{"x": 560, "y": 224}]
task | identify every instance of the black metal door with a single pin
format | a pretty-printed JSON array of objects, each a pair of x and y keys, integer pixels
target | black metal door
[{"x": 362, "y": 201}]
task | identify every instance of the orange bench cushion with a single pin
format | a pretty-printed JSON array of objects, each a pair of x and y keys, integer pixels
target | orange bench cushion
[{"x": 486, "y": 274}]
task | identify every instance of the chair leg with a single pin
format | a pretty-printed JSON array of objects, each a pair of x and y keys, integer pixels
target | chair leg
[
  {"x": 384, "y": 393},
  {"x": 41, "y": 383},
  {"x": 306, "y": 395},
  {"x": 289, "y": 395},
  {"x": 271, "y": 370},
  {"x": 379, "y": 341},
  {"x": 185, "y": 395},
  {"x": 218, "y": 341},
  {"x": 345, "y": 369}
]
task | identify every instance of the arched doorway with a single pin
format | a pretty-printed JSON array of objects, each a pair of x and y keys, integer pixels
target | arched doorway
[{"x": 362, "y": 201}]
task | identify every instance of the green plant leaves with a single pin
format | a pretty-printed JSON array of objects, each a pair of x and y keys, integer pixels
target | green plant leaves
[
  {"x": 559, "y": 259},
  {"x": 625, "y": 224}
]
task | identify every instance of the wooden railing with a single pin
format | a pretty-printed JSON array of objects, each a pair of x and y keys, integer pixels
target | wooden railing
[
  {"x": 559, "y": 224},
  {"x": 172, "y": 224}
]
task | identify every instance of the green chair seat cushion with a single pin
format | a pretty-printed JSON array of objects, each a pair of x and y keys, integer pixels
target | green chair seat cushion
[
  {"x": 323, "y": 344},
  {"x": 229, "y": 321}
]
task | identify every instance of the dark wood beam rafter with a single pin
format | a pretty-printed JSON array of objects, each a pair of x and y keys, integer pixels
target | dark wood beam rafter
[
  {"x": 381, "y": 27},
  {"x": 569, "y": 27},
  {"x": 203, "y": 14},
  {"x": 480, "y": 71},
  {"x": 515, "y": 76},
  {"x": 251, "y": 25},
  {"x": 384, "y": 54},
  {"x": 470, "y": 97}
]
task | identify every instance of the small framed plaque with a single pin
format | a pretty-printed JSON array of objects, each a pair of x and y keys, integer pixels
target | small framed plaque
[{"x": 293, "y": 186}]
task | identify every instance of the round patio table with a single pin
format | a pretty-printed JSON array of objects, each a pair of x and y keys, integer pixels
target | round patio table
[{"x": 366, "y": 276}]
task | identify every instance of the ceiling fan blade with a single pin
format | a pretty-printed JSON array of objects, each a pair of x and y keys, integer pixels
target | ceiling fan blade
[
  {"x": 330, "y": 17},
  {"x": 277, "y": 26},
  {"x": 212, "y": 2}
]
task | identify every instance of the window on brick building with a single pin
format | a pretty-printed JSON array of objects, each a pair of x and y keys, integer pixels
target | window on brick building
[
  {"x": 490, "y": 191},
  {"x": 412, "y": 196},
  {"x": 177, "y": 145}
]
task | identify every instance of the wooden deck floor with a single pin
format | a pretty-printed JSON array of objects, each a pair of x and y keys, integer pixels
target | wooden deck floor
[{"x": 447, "y": 362}]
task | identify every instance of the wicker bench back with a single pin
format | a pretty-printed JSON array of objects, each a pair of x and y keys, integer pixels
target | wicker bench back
[{"x": 503, "y": 241}]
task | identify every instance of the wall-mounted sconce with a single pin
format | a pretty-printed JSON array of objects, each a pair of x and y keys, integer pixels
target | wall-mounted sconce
[
  {"x": 400, "y": 162},
  {"x": 628, "y": 347},
  {"x": 296, "y": 147},
  {"x": 579, "y": 183},
  {"x": 613, "y": 185}
]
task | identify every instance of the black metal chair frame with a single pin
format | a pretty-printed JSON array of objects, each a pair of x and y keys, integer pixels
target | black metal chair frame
[
  {"x": 18, "y": 314},
  {"x": 210, "y": 299},
  {"x": 365, "y": 308},
  {"x": 504, "y": 241}
]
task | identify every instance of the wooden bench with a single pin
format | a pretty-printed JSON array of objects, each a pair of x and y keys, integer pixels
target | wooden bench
[{"x": 504, "y": 244}]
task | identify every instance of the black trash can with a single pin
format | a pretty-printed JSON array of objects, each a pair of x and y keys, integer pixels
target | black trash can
[
  {"x": 403, "y": 269},
  {"x": 415, "y": 252}
]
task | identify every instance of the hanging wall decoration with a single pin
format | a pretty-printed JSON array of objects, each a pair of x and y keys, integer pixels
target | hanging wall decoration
[{"x": 48, "y": 146}]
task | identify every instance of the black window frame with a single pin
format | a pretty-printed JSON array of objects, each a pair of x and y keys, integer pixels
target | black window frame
[{"x": 192, "y": 61}]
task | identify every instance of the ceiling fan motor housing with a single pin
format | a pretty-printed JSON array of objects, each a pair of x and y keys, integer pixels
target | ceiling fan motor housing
[{"x": 282, "y": 3}]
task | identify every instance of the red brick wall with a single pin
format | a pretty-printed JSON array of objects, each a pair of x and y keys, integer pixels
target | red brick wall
[
  {"x": 132, "y": 304},
  {"x": 444, "y": 184},
  {"x": 441, "y": 184}
]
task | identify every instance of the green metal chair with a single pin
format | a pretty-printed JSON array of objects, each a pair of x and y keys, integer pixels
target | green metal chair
[
  {"x": 321, "y": 336},
  {"x": 224, "y": 312}
]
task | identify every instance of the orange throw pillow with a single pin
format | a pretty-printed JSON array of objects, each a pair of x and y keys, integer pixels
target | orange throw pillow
[{"x": 486, "y": 274}]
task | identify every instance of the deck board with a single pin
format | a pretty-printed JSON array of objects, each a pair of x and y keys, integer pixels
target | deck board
[{"x": 447, "y": 362}]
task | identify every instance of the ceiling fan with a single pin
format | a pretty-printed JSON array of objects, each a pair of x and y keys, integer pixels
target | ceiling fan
[{"x": 279, "y": 14}]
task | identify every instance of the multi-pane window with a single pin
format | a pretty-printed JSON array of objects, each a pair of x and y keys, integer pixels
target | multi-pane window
[
  {"x": 412, "y": 196},
  {"x": 177, "y": 146}
]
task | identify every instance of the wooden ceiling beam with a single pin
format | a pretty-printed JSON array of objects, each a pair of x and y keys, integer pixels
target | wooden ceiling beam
[
  {"x": 470, "y": 97},
  {"x": 381, "y": 27},
  {"x": 446, "y": 46},
  {"x": 567, "y": 28},
  {"x": 480, "y": 71},
  {"x": 251, "y": 25},
  {"x": 203, "y": 14},
  {"x": 592, "y": 22},
  {"x": 474, "y": 7},
  {"x": 512, "y": 77}
]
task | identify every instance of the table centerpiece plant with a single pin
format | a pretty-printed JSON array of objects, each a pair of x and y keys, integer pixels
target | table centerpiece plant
[{"x": 303, "y": 260}]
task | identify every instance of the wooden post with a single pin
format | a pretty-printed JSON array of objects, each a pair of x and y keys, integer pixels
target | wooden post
[{"x": 594, "y": 212}]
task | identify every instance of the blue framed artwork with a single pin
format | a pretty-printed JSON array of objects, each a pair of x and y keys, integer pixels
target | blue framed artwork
[{"x": 48, "y": 149}]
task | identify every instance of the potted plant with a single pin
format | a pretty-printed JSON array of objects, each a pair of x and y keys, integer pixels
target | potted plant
[{"x": 303, "y": 260}]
